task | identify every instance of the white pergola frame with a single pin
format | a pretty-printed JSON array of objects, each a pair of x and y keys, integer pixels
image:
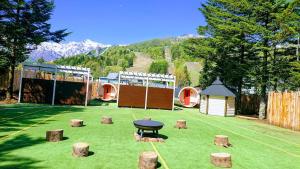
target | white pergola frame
[
  {"x": 147, "y": 77},
  {"x": 54, "y": 69}
]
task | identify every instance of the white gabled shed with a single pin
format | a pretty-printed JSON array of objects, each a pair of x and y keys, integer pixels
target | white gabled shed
[{"x": 217, "y": 99}]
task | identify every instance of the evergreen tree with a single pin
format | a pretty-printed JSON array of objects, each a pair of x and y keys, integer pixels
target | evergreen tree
[
  {"x": 247, "y": 38},
  {"x": 229, "y": 26},
  {"x": 23, "y": 23},
  {"x": 182, "y": 75},
  {"x": 41, "y": 60},
  {"x": 159, "y": 66}
]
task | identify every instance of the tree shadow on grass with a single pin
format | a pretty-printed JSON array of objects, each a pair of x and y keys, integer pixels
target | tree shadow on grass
[
  {"x": 9, "y": 160},
  {"x": 9, "y": 144},
  {"x": 99, "y": 102},
  {"x": 8, "y": 126}
]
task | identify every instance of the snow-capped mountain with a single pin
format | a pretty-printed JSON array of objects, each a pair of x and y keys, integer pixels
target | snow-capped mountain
[{"x": 51, "y": 51}]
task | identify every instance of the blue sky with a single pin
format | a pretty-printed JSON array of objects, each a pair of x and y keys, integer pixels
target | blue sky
[{"x": 126, "y": 21}]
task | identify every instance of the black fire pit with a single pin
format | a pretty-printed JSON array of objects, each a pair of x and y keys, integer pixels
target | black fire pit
[{"x": 149, "y": 125}]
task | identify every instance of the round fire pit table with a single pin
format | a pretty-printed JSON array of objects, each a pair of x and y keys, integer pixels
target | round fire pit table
[{"x": 149, "y": 125}]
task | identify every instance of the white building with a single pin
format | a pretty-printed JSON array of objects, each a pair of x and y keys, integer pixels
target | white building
[{"x": 217, "y": 99}]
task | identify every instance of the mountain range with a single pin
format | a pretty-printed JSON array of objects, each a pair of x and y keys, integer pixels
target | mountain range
[{"x": 51, "y": 51}]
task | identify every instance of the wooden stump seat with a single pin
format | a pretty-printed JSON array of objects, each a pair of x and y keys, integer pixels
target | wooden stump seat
[
  {"x": 148, "y": 160},
  {"x": 222, "y": 140},
  {"x": 106, "y": 120},
  {"x": 80, "y": 149},
  {"x": 76, "y": 123},
  {"x": 54, "y": 135},
  {"x": 181, "y": 124},
  {"x": 221, "y": 160},
  {"x": 137, "y": 137}
]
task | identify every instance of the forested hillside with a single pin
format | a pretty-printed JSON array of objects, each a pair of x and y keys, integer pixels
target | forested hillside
[
  {"x": 114, "y": 59},
  {"x": 151, "y": 54}
]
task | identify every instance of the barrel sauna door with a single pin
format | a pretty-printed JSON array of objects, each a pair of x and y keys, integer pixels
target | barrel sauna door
[
  {"x": 187, "y": 96},
  {"x": 107, "y": 91}
]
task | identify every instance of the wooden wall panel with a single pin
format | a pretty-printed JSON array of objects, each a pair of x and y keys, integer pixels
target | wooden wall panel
[
  {"x": 231, "y": 106},
  {"x": 70, "y": 93},
  {"x": 160, "y": 98},
  {"x": 40, "y": 91},
  {"x": 250, "y": 104},
  {"x": 36, "y": 91},
  {"x": 132, "y": 96}
]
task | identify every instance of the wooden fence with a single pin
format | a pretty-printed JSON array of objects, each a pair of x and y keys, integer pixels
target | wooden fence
[
  {"x": 284, "y": 109},
  {"x": 250, "y": 104}
]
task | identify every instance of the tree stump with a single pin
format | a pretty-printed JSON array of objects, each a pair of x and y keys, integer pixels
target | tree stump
[
  {"x": 221, "y": 140},
  {"x": 147, "y": 118},
  {"x": 76, "y": 123},
  {"x": 80, "y": 150},
  {"x": 54, "y": 135},
  {"x": 148, "y": 160},
  {"x": 106, "y": 120},
  {"x": 181, "y": 124},
  {"x": 221, "y": 160}
]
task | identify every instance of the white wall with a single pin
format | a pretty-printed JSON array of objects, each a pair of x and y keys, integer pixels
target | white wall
[{"x": 216, "y": 105}]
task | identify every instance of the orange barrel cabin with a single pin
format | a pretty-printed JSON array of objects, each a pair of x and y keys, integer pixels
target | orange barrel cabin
[
  {"x": 188, "y": 97},
  {"x": 108, "y": 92}
]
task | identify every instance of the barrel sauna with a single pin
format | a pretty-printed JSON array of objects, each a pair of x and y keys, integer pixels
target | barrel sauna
[
  {"x": 188, "y": 97},
  {"x": 108, "y": 92}
]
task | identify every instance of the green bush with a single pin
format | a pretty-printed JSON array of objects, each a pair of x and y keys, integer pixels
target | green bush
[{"x": 159, "y": 66}]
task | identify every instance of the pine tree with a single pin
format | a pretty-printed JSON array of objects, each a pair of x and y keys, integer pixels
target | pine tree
[
  {"x": 23, "y": 25},
  {"x": 229, "y": 26},
  {"x": 246, "y": 36}
]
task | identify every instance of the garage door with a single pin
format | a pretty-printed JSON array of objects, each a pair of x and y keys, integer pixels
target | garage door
[{"x": 216, "y": 105}]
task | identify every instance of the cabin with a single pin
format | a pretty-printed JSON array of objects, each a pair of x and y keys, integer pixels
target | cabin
[
  {"x": 217, "y": 99},
  {"x": 188, "y": 97}
]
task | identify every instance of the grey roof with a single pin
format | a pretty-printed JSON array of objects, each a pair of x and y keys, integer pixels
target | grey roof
[
  {"x": 113, "y": 76},
  {"x": 217, "y": 89}
]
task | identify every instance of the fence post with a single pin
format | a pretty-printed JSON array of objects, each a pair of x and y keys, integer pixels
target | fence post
[
  {"x": 174, "y": 88},
  {"x": 87, "y": 88},
  {"x": 119, "y": 81},
  {"x": 20, "y": 88},
  {"x": 146, "y": 95},
  {"x": 54, "y": 87}
]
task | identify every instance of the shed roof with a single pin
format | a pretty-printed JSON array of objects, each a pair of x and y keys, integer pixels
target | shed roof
[{"x": 217, "y": 89}]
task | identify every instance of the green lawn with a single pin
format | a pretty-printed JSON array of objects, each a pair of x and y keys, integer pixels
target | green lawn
[{"x": 22, "y": 139}]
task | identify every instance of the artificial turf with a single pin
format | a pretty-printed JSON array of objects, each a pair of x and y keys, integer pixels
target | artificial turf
[{"x": 22, "y": 139}]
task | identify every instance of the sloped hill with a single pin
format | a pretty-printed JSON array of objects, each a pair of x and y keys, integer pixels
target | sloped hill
[
  {"x": 141, "y": 63},
  {"x": 194, "y": 69}
]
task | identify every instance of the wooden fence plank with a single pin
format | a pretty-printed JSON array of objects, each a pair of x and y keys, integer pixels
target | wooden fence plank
[{"x": 284, "y": 109}]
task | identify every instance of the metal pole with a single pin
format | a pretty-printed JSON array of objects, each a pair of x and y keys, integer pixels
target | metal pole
[
  {"x": 146, "y": 96},
  {"x": 119, "y": 81},
  {"x": 54, "y": 87},
  {"x": 174, "y": 86},
  {"x": 87, "y": 88},
  {"x": 20, "y": 88}
]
